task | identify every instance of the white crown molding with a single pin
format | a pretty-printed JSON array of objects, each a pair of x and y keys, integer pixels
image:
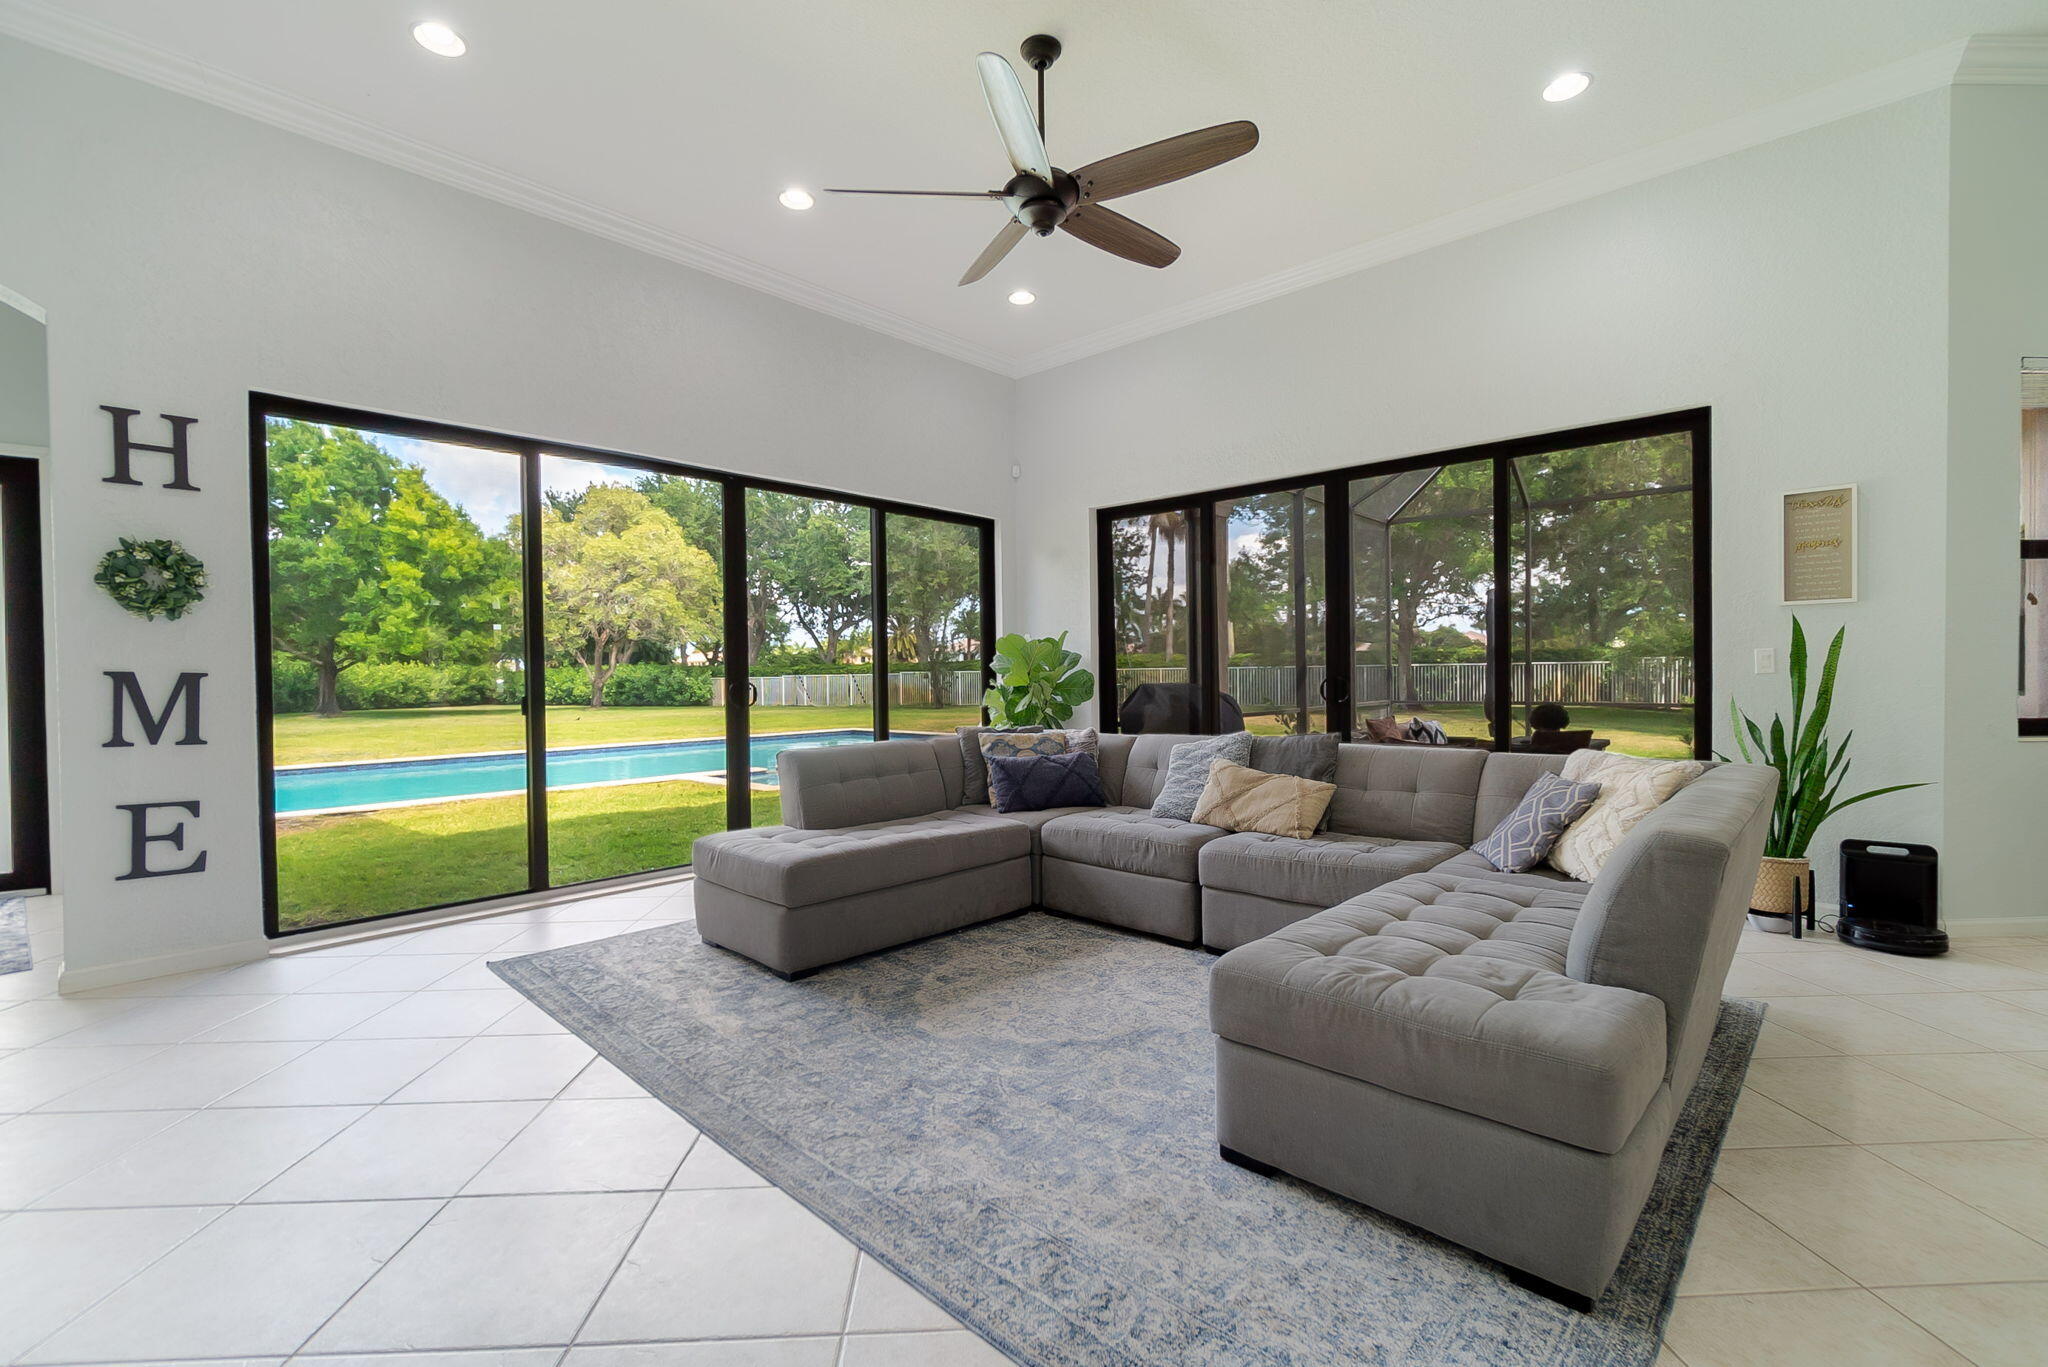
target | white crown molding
[
  {"x": 1870, "y": 90},
  {"x": 90, "y": 41},
  {"x": 2004, "y": 59}
]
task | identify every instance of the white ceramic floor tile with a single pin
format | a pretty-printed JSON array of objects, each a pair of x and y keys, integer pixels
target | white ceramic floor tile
[
  {"x": 493, "y": 1271},
  {"x": 1985, "y": 1022},
  {"x": 559, "y": 935},
  {"x": 728, "y": 1264},
  {"x": 1758, "y": 978},
  {"x": 206, "y": 1158},
  {"x": 344, "y": 1073},
  {"x": 304, "y": 1016},
  {"x": 803, "y": 1352},
  {"x": 2033, "y": 1001},
  {"x": 36, "y": 1076},
  {"x": 489, "y": 1357},
  {"x": 1854, "y": 973},
  {"x": 2006, "y": 1179},
  {"x": 472, "y": 937},
  {"x": 1992, "y": 1326},
  {"x": 53, "y": 1264},
  {"x": 393, "y": 973},
  {"x": 502, "y": 1068},
  {"x": 1964, "y": 970},
  {"x": 883, "y": 1302},
  {"x": 710, "y": 1166},
  {"x": 1839, "y": 1328},
  {"x": 632, "y": 1145},
  {"x": 31, "y": 1023},
  {"x": 1761, "y": 1123},
  {"x": 956, "y": 1349},
  {"x": 395, "y": 1152},
  {"x": 257, "y": 1280},
  {"x": 602, "y": 1078},
  {"x": 526, "y": 1019},
  {"x": 1738, "y": 1250},
  {"x": 1866, "y": 1104},
  {"x": 1850, "y": 1025},
  {"x": 1775, "y": 1041},
  {"x": 1879, "y": 1224},
  {"x": 1999, "y": 1085},
  {"x": 164, "y": 1021},
  {"x": 281, "y": 974},
  {"x": 430, "y": 1015},
  {"x": 474, "y": 976},
  {"x": 184, "y": 1075},
  {"x": 39, "y": 1153}
]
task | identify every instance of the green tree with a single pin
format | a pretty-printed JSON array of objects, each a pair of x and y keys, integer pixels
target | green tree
[
  {"x": 369, "y": 562},
  {"x": 934, "y": 609},
  {"x": 618, "y": 573},
  {"x": 698, "y": 506}
]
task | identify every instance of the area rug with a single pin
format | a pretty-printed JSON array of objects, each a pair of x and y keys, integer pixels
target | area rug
[
  {"x": 1017, "y": 1119},
  {"x": 14, "y": 951}
]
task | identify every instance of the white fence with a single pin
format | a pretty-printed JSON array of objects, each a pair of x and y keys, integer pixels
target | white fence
[
  {"x": 910, "y": 688},
  {"x": 1658, "y": 682}
]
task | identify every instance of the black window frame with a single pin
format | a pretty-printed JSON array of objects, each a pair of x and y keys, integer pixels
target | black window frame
[
  {"x": 530, "y": 450},
  {"x": 1339, "y": 614}
]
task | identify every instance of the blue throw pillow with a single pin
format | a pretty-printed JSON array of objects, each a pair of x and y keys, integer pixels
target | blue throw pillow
[
  {"x": 1524, "y": 837},
  {"x": 1036, "y": 783},
  {"x": 1187, "y": 771}
]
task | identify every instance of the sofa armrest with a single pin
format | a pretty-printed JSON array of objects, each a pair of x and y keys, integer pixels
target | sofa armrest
[
  {"x": 1665, "y": 913},
  {"x": 826, "y": 787}
]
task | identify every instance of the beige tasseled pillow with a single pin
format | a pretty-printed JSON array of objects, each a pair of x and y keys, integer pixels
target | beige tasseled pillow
[
  {"x": 1239, "y": 798},
  {"x": 1630, "y": 789}
]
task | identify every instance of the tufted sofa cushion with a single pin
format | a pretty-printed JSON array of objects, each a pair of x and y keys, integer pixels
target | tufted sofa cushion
[
  {"x": 1319, "y": 871},
  {"x": 1448, "y": 990},
  {"x": 825, "y": 787},
  {"x": 1129, "y": 839},
  {"x": 795, "y": 868},
  {"x": 1407, "y": 792}
]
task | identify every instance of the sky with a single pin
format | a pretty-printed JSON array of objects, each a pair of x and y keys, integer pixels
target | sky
[{"x": 485, "y": 484}]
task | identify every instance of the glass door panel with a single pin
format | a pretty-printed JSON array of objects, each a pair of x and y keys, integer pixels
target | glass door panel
[
  {"x": 1152, "y": 620},
  {"x": 933, "y": 624},
  {"x": 1273, "y": 644},
  {"x": 1421, "y": 571},
  {"x": 1602, "y": 586},
  {"x": 631, "y": 614},
  {"x": 397, "y": 741},
  {"x": 810, "y": 630}
]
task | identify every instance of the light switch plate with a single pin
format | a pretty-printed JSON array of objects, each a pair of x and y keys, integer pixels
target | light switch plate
[{"x": 1766, "y": 660}]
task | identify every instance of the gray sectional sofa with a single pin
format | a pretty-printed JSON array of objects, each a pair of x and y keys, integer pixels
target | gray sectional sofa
[{"x": 1496, "y": 1057}]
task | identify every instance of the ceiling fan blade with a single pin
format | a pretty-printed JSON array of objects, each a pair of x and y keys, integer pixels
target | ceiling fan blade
[
  {"x": 1010, "y": 236},
  {"x": 1013, "y": 116},
  {"x": 929, "y": 194},
  {"x": 1119, "y": 236},
  {"x": 1170, "y": 159}
]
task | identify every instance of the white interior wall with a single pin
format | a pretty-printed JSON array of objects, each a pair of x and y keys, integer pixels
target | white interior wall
[
  {"x": 186, "y": 256},
  {"x": 1996, "y": 860},
  {"x": 1796, "y": 288}
]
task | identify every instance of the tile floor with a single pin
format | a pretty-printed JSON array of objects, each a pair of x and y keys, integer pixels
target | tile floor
[{"x": 378, "y": 1155}]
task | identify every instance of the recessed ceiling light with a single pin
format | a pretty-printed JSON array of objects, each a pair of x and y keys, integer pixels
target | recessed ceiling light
[
  {"x": 1566, "y": 86},
  {"x": 1022, "y": 297},
  {"x": 439, "y": 39},
  {"x": 793, "y": 198}
]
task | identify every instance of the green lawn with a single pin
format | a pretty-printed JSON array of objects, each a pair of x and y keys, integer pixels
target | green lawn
[{"x": 302, "y": 738}]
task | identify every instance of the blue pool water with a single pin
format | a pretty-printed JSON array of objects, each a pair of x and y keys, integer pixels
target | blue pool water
[{"x": 410, "y": 780}]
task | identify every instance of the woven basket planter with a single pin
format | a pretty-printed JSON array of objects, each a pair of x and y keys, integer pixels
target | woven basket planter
[{"x": 1778, "y": 883}]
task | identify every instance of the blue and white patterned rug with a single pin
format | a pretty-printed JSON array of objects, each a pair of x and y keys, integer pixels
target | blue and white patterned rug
[
  {"x": 14, "y": 951},
  {"x": 1018, "y": 1120}
]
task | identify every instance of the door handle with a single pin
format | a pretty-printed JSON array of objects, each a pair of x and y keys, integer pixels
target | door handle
[{"x": 753, "y": 693}]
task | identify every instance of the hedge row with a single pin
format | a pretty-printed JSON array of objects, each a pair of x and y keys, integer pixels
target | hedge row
[{"x": 294, "y": 687}]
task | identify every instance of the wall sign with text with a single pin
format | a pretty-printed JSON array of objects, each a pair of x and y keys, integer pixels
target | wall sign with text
[{"x": 1819, "y": 545}]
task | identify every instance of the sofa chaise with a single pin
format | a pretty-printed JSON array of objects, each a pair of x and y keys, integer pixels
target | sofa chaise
[{"x": 1496, "y": 1057}]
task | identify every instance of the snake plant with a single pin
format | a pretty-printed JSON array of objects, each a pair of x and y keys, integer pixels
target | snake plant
[{"x": 1811, "y": 771}]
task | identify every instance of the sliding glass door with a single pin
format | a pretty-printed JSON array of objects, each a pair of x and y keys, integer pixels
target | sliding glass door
[
  {"x": 491, "y": 665},
  {"x": 1464, "y": 589}
]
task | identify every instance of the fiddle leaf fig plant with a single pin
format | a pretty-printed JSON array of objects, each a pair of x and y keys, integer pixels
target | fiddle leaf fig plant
[
  {"x": 1811, "y": 769},
  {"x": 1038, "y": 682}
]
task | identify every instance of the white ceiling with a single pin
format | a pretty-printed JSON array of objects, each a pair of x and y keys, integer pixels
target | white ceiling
[{"x": 677, "y": 123}]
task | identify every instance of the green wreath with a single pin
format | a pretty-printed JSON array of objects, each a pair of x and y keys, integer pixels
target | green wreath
[{"x": 153, "y": 579}]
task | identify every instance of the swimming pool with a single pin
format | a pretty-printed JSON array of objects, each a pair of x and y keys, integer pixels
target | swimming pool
[{"x": 383, "y": 783}]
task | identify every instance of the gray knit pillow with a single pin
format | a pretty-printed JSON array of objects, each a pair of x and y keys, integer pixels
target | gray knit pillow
[{"x": 1187, "y": 771}]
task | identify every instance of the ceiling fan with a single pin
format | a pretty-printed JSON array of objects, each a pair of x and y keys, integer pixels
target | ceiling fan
[{"x": 1042, "y": 197}]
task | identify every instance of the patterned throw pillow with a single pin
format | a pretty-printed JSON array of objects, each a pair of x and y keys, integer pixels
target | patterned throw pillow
[
  {"x": 1187, "y": 771},
  {"x": 1526, "y": 834},
  {"x": 1241, "y": 799},
  {"x": 974, "y": 769},
  {"x": 1081, "y": 738},
  {"x": 1037, "y": 783},
  {"x": 1009, "y": 745},
  {"x": 1630, "y": 789}
]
